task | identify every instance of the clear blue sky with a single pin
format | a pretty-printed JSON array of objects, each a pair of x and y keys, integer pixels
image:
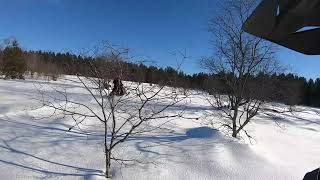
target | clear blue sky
[{"x": 152, "y": 28}]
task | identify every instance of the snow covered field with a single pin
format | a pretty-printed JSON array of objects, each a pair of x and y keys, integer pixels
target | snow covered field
[{"x": 42, "y": 148}]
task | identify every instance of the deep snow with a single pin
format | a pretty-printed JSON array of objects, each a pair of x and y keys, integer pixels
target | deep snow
[{"x": 42, "y": 148}]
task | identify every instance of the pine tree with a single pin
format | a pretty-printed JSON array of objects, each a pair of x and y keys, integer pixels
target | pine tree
[{"x": 14, "y": 66}]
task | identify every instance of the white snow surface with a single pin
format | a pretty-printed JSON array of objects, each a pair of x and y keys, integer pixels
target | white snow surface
[{"x": 185, "y": 149}]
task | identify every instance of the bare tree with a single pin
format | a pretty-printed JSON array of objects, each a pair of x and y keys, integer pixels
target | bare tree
[
  {"x": 32, "y": 61},
  {"x": 241, "y": 62},
  {"x": 132, "y": 111},
  {"x": 36, "y": 64},
  {"x": 1, "y": 61}
]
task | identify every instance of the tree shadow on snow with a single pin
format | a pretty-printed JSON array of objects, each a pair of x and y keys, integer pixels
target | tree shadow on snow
[
  {"x": 202, "y": 145},
  {"x": 23, "y": 150},
  {"x": 152, "y": 146},
  {"x": 290, "y": 119},
  {"x": 81, "y": 172},
  {"x": 170, "y": 147}
]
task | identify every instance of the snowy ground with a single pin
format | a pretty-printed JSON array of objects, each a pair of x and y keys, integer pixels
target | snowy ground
[{"x": 34, "y": 148}]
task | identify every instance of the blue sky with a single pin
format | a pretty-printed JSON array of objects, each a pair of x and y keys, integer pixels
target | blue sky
[{"x": 150, "y": 28}]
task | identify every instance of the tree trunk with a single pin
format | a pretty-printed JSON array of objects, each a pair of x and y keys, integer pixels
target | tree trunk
[
  {"x": 234, "y": 123},
  {"x": 234, "y": 132},
  {"x": 108, "y": 165},
  {"x": 107, "y": 152}
]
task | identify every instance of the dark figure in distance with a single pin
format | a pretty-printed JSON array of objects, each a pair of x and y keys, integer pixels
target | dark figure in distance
[{"x": 118, "y": 88}]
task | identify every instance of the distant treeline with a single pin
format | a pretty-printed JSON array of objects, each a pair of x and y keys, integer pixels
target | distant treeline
[{"x": 15, "y": 63}]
